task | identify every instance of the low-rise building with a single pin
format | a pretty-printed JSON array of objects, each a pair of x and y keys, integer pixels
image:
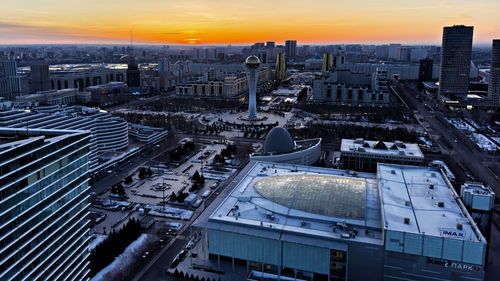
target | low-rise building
[
  {"x": 52, "y": 97},
  {"x": 344, "y": 87},
  {"x": 232, "y": 85},
  {"x": 363, "y": 155},
  {"x": 147, "y": 134}
]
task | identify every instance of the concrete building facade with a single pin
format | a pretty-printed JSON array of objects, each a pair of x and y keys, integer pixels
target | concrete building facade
[
  {"x": 364, "y": 155},
  {"x": 345, "y": 87}
]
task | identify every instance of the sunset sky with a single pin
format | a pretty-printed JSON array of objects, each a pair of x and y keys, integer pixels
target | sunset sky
[{"x": 245, "y": 21}]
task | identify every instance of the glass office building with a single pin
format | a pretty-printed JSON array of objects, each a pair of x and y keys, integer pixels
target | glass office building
[{"x": 44, "y": 200}]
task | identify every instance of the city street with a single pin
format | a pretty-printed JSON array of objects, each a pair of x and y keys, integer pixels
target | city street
[{"x": 473, "y": 160}]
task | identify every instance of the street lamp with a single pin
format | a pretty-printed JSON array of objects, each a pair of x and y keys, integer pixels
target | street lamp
[{"x": 163, "y": 190}]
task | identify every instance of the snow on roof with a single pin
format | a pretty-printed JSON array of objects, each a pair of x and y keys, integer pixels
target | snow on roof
[
  {"x": 282, "y": 197},
  {"x": 420, "y": 200},
  {"x": 396, "y": 148}
]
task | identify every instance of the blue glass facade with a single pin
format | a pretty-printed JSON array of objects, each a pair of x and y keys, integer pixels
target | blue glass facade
[{"x": 44, "y": 200}]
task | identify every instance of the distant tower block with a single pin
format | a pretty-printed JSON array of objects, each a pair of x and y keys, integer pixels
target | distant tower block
[{"x": 252, "y": 63}]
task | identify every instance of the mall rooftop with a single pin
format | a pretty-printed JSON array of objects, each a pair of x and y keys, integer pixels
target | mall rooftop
[
  {"x": 302, "y": 200},
  {"x": 293, "y": 202},
  {"x": 420, "y": 200}
]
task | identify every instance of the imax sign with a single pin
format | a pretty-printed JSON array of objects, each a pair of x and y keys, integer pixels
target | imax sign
[{"x": 453, "y": 233}]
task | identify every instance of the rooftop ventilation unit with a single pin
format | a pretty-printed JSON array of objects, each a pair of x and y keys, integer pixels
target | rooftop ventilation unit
[
  {"x": 460, "y": 226},
  {"x": 431, "y": 186},
  {"x": 393, "y": 172},
  {"x": 345, "y": 235},
  {"x": 407, "y": 220},
  {"x": 441, "y": 204}
]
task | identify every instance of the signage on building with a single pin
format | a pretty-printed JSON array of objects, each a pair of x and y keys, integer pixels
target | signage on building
[
  {"x": 452, "y": 233},
  {"x": 454, "y": 265}
]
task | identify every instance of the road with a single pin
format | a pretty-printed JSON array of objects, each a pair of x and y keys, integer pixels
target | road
[{"x": 473, "y": 160}]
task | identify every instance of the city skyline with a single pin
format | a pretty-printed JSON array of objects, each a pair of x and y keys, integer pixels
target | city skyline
[{"x": 226, "y": 22}]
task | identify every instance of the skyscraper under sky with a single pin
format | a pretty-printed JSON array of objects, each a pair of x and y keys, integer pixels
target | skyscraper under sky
[
  {"x": 424, "y": 72},
  {"x": 290, "y": 48},
  {"x": 456, "y": 53},
  {"x": 280, "y": 72},
  {"x": 40, "y": 77},
  {"x": 133, "y": 73},
  {"x": 43, "y": 204},
  {"x": 494, "y": 87}
]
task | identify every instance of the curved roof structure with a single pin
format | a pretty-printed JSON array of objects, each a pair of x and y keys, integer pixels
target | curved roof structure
[
  {"x": 278, "y": 141},
  {"x": 327, "y": 195}
]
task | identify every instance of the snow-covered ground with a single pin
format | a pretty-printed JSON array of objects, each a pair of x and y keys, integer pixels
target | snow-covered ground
[
  {"x": 483, "y": 142},
  {"x": 425, "y": 141},
  {"x": 123, "y": 261},
  {"x": 469, "y": 128},
  {"x": 460, "y": 124},
  {"x": 472, "y": 122},
  {"x": 96, "y": 240}
]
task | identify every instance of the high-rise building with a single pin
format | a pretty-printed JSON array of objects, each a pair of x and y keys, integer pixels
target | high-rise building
[
  {"x": 494, "y": 87},
  {"x": 44, "y": 204},
  {"x": 404, "y": 53},
  {"x": 455, "y": 61},
  {"x": 280, "y": 71},
  {"x": 418, "y": 53},
  {"x": 263, "y": 55},
  {"x": 270, "y": 44},
  {"x": 133, "y": 73},
  {"x": 6, "y": 71},
  {"x": 338, "y": 58},
  {"x": 394, "y": 51},
  {"x": 327, "y": 62},
  {"x": 291, "y": 48},
  {"x": 11, "y": 83},
  {"x": 40, "y": 77},
  {"x": 163, "y": 66},
  {"x": 424, "y": 72},
  {"x": 382, "y": 51}
]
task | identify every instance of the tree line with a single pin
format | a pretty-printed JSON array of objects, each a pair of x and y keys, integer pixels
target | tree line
[{"x": 116, "y": 242}]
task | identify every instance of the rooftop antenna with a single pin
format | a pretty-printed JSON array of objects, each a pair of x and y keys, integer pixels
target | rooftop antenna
[{"x": 131, "y": 43}]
